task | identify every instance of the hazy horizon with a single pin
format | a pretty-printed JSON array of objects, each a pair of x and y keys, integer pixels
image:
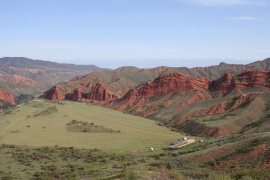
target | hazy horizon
[{"x": 150, "y": 63}]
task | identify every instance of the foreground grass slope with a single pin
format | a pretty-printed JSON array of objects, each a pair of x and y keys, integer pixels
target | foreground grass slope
[
  {"x": 70, "y": 140},
  {"x": 43, "y": 123}
]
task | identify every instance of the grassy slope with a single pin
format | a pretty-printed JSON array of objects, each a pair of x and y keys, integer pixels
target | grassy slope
[
  {"x": 22, "y": 127},
  {"x": 197, "y": 160}
]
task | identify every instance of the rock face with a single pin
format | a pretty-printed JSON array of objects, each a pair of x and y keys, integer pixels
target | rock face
[
  {"x": 250, "y": 79},
  {"x": 100, "y": 93},
  {"x": 180, "y": 82},
  {"x": 7, "y": 97},
  {"x": 76, "y": 95},
  {"x": 54, "y": 94},
  {"x": 223, "y": 85},
  {"x": 163, "y": 85}
]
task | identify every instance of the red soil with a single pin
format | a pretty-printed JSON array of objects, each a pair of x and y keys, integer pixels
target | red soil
[{"x": 7, "y": 96}]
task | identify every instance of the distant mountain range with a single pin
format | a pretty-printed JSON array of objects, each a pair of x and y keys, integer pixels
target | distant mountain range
[{"x": 21, "y": 75}]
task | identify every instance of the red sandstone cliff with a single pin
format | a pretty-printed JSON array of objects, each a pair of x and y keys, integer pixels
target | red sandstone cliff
[
  {"x": 163, "y": 85},
  {"x": 100, "y": 93},
  {"x": 54, "y": 94},
  {"x": 7, "y": 96},
  {"x": 76, "y": 95},
  {"x": 250, "y": 79}
]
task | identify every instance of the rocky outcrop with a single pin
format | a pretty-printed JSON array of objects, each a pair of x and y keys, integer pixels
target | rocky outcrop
[
  {"x": 54, "y": 94},
  {"x": 7, "y": 97},
  {"x": 77, "y": 95},
  {"x": 170, "y": 84},
  {"x": 222, "y": 85},
  {"x": 99, "y": 92},
  {"x": 163, "y": 85},
  {"x": 250, "y": 79}
]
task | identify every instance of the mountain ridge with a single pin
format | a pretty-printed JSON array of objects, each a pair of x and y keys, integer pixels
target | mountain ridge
[
  {"x": 31, "y": 63},
  {"x": 176, "y": 97},
  {"x": 41, "y": 74}
]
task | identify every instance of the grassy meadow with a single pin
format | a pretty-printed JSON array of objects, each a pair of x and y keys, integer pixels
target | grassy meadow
[
  {"x": 71, "y": 140},
  {"x": 43, "y": 123}
]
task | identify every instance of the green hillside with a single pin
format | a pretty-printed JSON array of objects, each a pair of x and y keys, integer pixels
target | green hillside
[
  {"x": 71, "y": 140},
  {"x": 45, "y": 124}
]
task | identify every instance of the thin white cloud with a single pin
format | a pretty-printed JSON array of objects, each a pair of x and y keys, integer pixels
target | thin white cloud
[
  {"x": 246, "y": 18},
  {"x": 226, "y": 2}
]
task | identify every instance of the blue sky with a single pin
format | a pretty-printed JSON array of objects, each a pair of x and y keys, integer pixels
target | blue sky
[{"x": 144, "y": 33}]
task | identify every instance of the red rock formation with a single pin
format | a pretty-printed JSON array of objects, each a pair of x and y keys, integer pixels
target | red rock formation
[
  {"x": 76, "y": 95},
  {"x": 54, "y": 94},
  {"x": 180, "y": 82},
  {"x": 7, "y": 96},
  {"x": 86, "y": 84},
  {"x": 14, "y": 79},
  {"x": 163, "y": 85},
  {"x": 240, "y": 101},
  {"x": 100, "y": 93},
  {"x": 223, "y": 85},
  {"x": 250, "y": 79}
]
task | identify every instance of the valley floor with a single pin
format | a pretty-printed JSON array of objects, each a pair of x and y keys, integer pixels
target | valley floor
[{"x": 71, "y": 140}]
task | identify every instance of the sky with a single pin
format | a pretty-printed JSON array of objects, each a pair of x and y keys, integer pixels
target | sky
[{"x": 142, "y": 33}]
